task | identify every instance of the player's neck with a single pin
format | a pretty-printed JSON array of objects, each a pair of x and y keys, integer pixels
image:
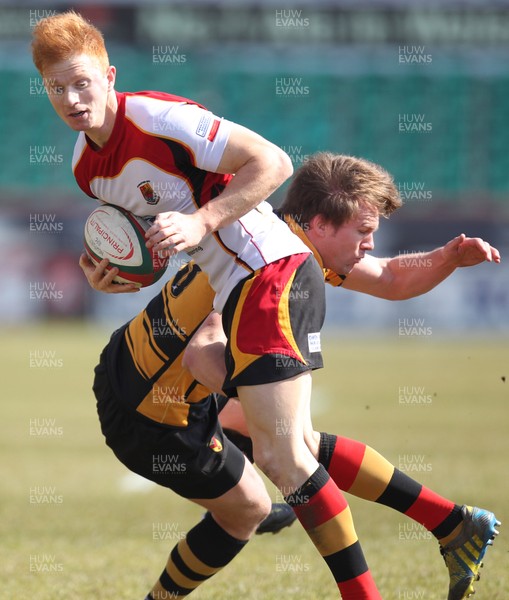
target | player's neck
[{"x": 98, "y": 137}]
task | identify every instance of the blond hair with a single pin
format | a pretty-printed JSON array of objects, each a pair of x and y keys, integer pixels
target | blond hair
[
  {"x": 336, "y": 186},
  {"x": 59, "y": 37}
]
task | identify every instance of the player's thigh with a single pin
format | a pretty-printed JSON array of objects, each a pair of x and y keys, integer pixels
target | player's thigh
[
  {"x": 232, "y": 417},
  {"x": 267, "y": 405},
  {"x": 276, "y": 415}
]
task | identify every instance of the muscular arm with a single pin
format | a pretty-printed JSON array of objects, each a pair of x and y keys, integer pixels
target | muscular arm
[
  {"x": 204, "y": 355},
  {"x": 410, "y": 275},
  {"x": 259, "y": 167}
]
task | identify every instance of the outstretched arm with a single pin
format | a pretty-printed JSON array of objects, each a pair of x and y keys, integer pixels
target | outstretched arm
[{"x": 410, "y": 275}]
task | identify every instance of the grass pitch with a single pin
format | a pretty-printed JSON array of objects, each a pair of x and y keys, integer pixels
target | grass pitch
[{"x": 74, "y": 525}]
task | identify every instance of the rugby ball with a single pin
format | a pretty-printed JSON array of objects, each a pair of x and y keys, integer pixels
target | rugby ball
[{"x": 116, "y": 234}]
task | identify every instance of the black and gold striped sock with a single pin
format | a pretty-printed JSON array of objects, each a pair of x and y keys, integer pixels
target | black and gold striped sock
[{"x": 205, "y": 551}]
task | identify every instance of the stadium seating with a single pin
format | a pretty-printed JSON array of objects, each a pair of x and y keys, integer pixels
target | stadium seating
[{"x": 462, "y": 152}]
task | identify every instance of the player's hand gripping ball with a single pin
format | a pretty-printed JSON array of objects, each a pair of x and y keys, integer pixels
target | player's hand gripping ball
[{"x": 116, "y": 234}]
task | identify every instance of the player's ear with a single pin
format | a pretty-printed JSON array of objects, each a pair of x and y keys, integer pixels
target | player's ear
[
  {"x": 111, "y": 75},
  {"x": 318, "y": 224}
]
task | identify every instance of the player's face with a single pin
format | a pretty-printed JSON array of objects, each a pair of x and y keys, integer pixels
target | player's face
[
  {"x": 341, "y": 248},
  {"x": 78, "y": 89}
]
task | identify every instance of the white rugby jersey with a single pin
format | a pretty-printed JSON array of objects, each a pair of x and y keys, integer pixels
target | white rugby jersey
[{"x": 162, "y": 156}]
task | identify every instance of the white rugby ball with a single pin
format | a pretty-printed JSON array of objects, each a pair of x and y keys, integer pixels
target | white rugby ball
[{"x": 116, "y": 234}]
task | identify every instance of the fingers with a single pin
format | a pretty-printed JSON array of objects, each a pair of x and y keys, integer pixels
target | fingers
[
  {"x": 101, "y": 278},
  {"x": 162, "y": 240},
  {"x": 486, "y": 249},
  {"x": 159, "y": 229},
  {"x": 173, "y": 231},
  {"x": 179, "y": 247},
  {"x": 453, "y": 249},
  {"x": 457, "y": 241},
  {"x": 85, "y": 263},
  {"x": 491, "y": 253},
  {"x": 495, "y": 254},
  {"x": 121, "y": 288},
  {"x": 476, "y": 250},
  {"x": 160, "y": 236},
  {"x": 480, "y": 247}
]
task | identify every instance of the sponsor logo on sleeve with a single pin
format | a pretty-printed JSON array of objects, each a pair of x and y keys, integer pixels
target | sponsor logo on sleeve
[{"x": 203, "y": 125}]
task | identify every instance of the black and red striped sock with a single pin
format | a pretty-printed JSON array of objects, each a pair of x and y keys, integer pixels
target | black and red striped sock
[
  {"x": 205, "y": 551},
  {"x": 324, "y": 513},
  {"x": 363, "y": 472}
]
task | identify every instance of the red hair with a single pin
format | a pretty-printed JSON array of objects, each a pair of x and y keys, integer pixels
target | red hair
[{"x": 61, "y": 36}]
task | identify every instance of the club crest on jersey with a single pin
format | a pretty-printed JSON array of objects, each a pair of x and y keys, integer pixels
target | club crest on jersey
[
  {"x": 215, "y": 445},
  {"x": 147, "y": 191}
]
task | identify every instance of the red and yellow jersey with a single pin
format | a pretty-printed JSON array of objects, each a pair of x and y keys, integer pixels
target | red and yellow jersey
[
  {"x": 162, "y": 156},
  {"x": 144, "y": 357}
]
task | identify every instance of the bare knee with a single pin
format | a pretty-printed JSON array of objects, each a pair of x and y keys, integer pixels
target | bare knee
[
  {"x": 266, "y": 460},
  {"x": 256, "y": 502},
  {"x": 244, "y": 507},
  {"x": 242, "y": 521},
  {"x": 274, "y": 466},
  {"x": 257, "y": 509},
  {"x": 287, "y": 466}
]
